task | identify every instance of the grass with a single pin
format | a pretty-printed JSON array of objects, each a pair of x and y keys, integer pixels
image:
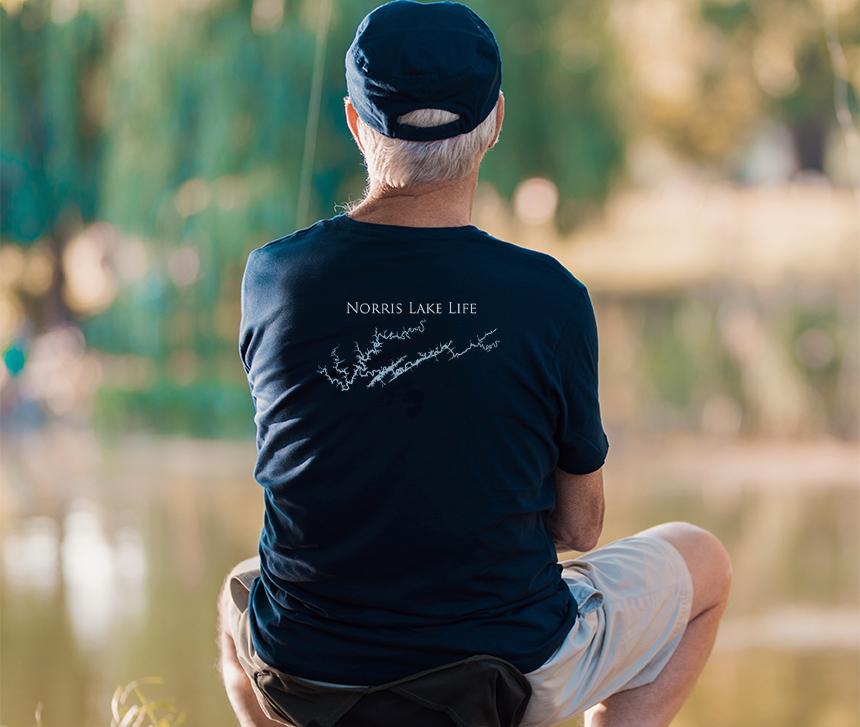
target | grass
[{"x": 131, "y": 707}]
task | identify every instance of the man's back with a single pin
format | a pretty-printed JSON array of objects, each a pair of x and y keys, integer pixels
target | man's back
[{"x": 415, "y": 388}]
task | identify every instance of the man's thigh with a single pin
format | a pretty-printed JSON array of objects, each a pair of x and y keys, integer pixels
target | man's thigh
[{"x": 634, "y": 597}]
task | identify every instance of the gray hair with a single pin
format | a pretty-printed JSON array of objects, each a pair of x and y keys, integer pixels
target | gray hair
[{"x": 398, "y": 163}]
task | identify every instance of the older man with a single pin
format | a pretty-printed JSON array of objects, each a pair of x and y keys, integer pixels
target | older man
[{"x": 429, "y": 432}]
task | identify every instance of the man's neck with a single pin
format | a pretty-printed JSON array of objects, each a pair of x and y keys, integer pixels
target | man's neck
[{"x": 448, "y": 205}]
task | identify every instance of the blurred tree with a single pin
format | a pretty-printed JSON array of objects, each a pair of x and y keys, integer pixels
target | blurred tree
[
  {"x": 50, "y": 130},
  {"x": 182, "y": 126},
  {"x": 778, "y": 51},
  {"x": 561, "y": 83}
]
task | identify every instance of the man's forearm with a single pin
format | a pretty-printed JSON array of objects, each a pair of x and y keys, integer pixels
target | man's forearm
[
  {"x": 576, "y": 521},
  {"x": 558, "y": 539},
  {"x": 585, "y": 535}
]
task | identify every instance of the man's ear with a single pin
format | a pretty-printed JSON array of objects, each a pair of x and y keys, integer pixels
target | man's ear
[
  {"x": 352, "y": 121},
  {"x": 500, "y": 115}
]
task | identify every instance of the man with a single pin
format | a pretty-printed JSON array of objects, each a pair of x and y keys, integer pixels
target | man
[{"x": 429, "y": 431}]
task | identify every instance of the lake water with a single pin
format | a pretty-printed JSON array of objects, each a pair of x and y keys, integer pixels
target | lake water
[{"x": 113, "y": 552}]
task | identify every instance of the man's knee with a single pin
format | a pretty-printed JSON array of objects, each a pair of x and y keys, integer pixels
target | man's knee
[
  {"x": 224, "y": 630},
  {"x": 707, "y": 560},
  {"x": 229, "y": 667},
  {"x": 223, "y": 606},
  {"x": 225, "y": 603}
]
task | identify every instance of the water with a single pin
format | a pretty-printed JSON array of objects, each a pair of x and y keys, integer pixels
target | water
[{"x": 112, "y": 555}]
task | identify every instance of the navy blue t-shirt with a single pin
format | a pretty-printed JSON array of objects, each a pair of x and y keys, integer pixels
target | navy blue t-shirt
[{"x": 414, "y": 390}]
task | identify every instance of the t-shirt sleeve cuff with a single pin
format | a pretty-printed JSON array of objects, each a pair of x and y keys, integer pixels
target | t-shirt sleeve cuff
[{"x": 583, "y": 457}]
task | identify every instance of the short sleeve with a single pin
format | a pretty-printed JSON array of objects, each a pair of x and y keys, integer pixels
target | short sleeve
[
  {"x": 245, "y": 328},
  {"x": 248, "y": 334},
  {"x": 582, "y": 443}
]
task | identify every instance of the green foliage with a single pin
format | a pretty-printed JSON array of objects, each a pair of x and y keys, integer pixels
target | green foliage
[
  {"x": 51, "y": 132},
  {"x": 561, "y": 80},
  {"x": 728, "y": 16},
  {"x": 668, "y": 361},
  {"x": 184, "y": 124},
  {"x": 203, "y": 408}
]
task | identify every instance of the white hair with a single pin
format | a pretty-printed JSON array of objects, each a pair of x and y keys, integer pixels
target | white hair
[{"x": 398, "y": 163}]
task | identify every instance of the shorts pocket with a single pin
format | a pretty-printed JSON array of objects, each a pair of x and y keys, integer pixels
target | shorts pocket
[
  {"x": 270, "y": 707},
  {"x": 586, "y": 595}
]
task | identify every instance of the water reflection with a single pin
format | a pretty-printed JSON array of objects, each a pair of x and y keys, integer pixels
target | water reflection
[
  {"x": 103, "y": 579},
  {"x": 31, "y": 557},
  {"x": 111, "y": 563},
  {"x": 795, "y": 628}
]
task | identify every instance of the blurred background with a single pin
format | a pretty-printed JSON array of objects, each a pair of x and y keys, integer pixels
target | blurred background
[{"x": 695, "y": 162}]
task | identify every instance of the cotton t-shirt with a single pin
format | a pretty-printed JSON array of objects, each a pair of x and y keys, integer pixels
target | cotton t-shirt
[{"x": 414, "y": 389}]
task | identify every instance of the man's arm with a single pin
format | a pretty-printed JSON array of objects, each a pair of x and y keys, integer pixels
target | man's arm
[{"x": 577, "y": 520}]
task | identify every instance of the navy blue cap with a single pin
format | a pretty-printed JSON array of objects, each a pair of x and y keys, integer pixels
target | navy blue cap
[{"x": 409, "y": 55}]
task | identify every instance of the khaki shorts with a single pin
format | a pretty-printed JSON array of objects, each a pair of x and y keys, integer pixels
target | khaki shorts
[{"x": 634, "y": 597}]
